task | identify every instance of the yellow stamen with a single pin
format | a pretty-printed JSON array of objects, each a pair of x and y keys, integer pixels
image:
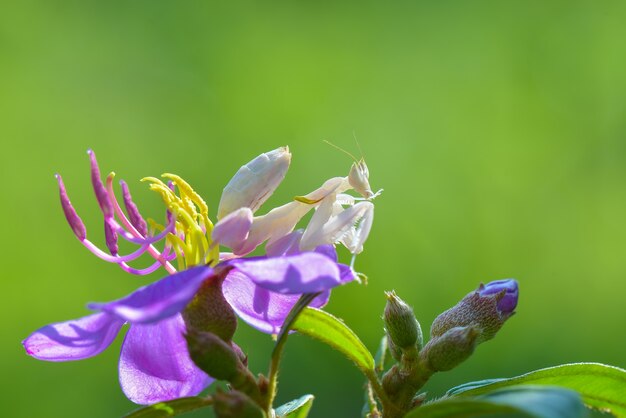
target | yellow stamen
[{"x": 193, "y": 221}]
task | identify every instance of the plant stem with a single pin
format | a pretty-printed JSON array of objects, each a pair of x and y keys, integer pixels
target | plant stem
[
  {"x": 277, "y": 352},
  {"x": 377, "y": 387}
]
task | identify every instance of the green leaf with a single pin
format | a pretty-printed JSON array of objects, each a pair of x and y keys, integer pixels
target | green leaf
[
  {"x": 170, "y": 408},
  {"x": 540, "y": 401},
  {"x": 601, "y": 386},
  {"x": 332, "y": 331},
  {"x": 298, "y": 408},
  {"x": 524, "y": 401},
  {"x": 465, "y": 408}
]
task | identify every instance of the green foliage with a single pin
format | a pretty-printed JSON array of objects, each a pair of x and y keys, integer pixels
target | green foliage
[
  {"x": 601, "y": 386},
  {"x": 298, "y": 408},
  {"x": 512, "y": 402},
  {"x": 332, "y": 331},
  {"x": 170, "y": 408}
]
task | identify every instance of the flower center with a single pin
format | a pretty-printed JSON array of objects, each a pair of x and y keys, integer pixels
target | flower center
[{"x": 192, "y": 238}]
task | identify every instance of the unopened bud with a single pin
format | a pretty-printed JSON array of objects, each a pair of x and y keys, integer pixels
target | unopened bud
[
  {"x": 255, "y": 182},
  {"x": 402, "y": 327},
  {"x": 235, "y": 404},
  {"x": 506, "y": 292},
  {"x": 209, "y": 311},
  {"x": 486, "y": 309},
  {"x": 214, "y": 356},
  {"x": 451, "y": 349}
]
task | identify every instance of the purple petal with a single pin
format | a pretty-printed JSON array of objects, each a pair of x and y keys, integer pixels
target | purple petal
[
  {"x": 301, "y": 273},
  {"x": 259, "y": 307},
  {"x": 159, "y": 300},
  {"x": 155, "y": 365},
  {"x": 133, "y": 213},
  {"x": 70, "y": 213},
  {"x": 73, "y": 340},
  {"x": 508, "y": 302},
  {"x": 346, "y": 273},
  {"x": 287, "y": 245}
]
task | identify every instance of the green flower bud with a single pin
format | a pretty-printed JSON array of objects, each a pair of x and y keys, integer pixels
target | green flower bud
[
  {"x": 208, "y": 311},
  {"x": 402, "y": 327},
  {"x": 486, "y": 308},
  {"x": 235, "y": 404},
  {"x": 396, "y": 353},
  {"x": 214, "y": 356},
  {"x": 450, "y": 349}
]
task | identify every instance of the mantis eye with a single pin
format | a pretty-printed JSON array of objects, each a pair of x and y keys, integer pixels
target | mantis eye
[{"x": 359, "y": 179}]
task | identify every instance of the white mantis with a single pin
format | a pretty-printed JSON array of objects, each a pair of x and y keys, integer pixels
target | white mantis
[{"x": 331, "y": 223}]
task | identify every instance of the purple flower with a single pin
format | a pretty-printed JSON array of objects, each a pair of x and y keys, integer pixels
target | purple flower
[
  {"x": 510, "y": 293},
  {"x": 154, "y": 363}
]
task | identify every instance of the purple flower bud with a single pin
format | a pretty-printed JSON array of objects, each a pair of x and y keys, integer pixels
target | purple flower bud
[
  {"x": 70, "y": 213},
  {"x": 133, "y": 213},
  {"x": 487, "y": 308},
  {"x": 508, "y": 290},
  {"x": 101, "y": 193}
]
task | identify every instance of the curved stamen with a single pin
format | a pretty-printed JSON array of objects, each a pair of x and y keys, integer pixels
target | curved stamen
[
  {"x": 133, "y": 212},
  {"x": 98, "y": 187},
  {"x": 114, "y": 258},
  {"x": 120, "y": 214},
  {"x": 170, "y": 228},
  {"x": 150, "y": 269},
  {"x": 72, "y": 217}
]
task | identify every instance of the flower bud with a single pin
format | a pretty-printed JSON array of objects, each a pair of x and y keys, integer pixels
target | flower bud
[
  {"x": 234, "y": 404},
  {"x": 255, "y": 182},
  {"x": 486, "y": 308},
  {"x": 402, "y": 327},
  {"x": 509, "y": 290},
  {"x": 209, "y": 311},
  {"x": 451, "y": 349},
  {"x": 214, "y": 356}
]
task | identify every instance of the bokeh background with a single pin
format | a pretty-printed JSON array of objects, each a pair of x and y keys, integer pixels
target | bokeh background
[{"x": 496, "y": 128}]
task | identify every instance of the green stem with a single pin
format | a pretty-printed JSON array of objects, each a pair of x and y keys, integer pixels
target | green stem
[
  {"x": 302, "y": 303},
  {"x": 377, "y": 387}
]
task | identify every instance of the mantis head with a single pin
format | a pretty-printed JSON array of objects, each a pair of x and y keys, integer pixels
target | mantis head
[{"x": 359, "y": 179}]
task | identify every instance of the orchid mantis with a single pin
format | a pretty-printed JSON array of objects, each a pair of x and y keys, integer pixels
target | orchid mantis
[{"x": 338, "y": 218}]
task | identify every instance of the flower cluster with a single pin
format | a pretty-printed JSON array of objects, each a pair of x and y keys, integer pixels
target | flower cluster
[{"x": 155, "y": 363}]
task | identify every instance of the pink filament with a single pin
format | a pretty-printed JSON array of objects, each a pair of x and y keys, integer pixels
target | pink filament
[{"x": 118, "y": 211}]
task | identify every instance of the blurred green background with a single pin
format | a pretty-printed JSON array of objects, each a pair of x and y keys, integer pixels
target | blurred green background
[{"x": 497, "y": 129}]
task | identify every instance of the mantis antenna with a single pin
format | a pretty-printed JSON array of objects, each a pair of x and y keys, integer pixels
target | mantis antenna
[
  {"x": 358, "y": 145},
  {"x": 342, "y": 150}
]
